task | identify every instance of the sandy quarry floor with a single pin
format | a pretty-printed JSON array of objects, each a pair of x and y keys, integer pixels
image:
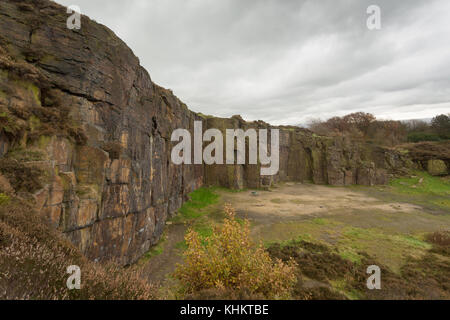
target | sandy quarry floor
[{"x": 291, "y": 201}]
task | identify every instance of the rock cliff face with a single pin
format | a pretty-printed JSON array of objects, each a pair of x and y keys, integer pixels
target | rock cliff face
[
  {"x": 433, "y": 157},
  {"x": 78, "y": 106}
]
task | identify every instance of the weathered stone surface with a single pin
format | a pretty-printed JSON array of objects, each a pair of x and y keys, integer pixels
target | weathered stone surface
[
  {"x": 349, "y": 177},
  {"x": 5, "y": 186},
  {"x": 437, "y": 167},
  {"x": 112, "y": 192},
  {"x": 4, "y": 144}
]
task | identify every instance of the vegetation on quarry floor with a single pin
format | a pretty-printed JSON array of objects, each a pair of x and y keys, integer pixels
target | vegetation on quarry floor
[
  {"x": 230, "y": 261},
  {"x": 335, "y": 233},
  {"x": 203, "y": 211},
  {"x": 199, "y": 199},
  {"x": 331, "y": 233},
  {"x": 323, "y": 273},
  {"x": 422, "y": 183},
  {"x": 34, "y": 259},
  {"x": 425, "y": 188},
  {"x": 198, "y": 212}
]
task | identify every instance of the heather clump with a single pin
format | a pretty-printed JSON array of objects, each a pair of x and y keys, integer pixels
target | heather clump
[{"x": 34, "y": 260}]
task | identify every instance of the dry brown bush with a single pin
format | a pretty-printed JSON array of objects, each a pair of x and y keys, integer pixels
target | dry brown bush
[
  {"x": 34, "y": 259},
  {"x": 22, "y": 178},
  {"x": 441, "y": 238}
]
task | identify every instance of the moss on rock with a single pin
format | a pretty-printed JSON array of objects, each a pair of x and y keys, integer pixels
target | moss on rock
[{"x": 437, "y": 167}]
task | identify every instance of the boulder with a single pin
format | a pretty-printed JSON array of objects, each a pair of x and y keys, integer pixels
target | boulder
[{"x": 437, "y": 167}]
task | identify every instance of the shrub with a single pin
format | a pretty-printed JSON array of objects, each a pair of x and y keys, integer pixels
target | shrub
[
  {"x": 21, "y": 177},
  {"x": 440, "y": 241},
  {"x": 3, "y": 198},
  {"x": 441, "y": 238},
  {"x": 230, "y": 260},
  {"x": 34, "y": 258},
  {"x": 421, "y": 136}
]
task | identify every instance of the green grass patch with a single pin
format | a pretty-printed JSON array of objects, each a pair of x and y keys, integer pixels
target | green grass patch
[
  {"x": 4, "y": 199},
  {"x": 423, "y": 189},
  {"x": 200, "y": 213},
  {"x": 319, "y": 229},
  {"x": 445, "y": 203},
  {"x": 154, "y": 251},
  {"x": 350, "y": 254},
  {"x": 320, "y": 221},
  {"x": 412, "y": 241},
  {"x": 430, "y": 185},
  {"x": 342, "y": 286},
  {"x": 181, "y": 245},
  {"x": 390, "y": 249},
  {"x": 199, "y": 199}
]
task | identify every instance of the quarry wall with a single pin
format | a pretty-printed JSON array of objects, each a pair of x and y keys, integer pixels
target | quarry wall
[{"x": 102, "y": 129}]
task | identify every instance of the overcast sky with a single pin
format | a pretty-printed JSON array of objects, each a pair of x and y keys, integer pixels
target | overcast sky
[{"x": 288, "y": 61}]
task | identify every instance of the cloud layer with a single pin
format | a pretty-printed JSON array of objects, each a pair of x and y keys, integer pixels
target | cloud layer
[{"x": 287, "y": 61}]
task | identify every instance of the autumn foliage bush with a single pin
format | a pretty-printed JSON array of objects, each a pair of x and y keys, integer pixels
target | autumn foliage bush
[{"x": 230, "y": 260}]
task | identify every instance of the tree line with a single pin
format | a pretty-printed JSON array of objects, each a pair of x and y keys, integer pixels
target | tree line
[{"x": 365, "y": 126}]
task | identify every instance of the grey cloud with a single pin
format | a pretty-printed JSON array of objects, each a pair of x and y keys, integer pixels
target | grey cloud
[{"x": 287, "y": 61}]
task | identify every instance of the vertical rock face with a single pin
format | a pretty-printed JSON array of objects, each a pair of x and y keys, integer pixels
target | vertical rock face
[
  {"x": 102, "y": 127},
  {"x": 111, "y": 194},
  {"x": 305, "y": 156}
]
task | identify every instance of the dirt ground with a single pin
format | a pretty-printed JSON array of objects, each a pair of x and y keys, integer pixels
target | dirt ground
[
  {"x": 161, "y": 265},
  {"x": 293, "y": 201},
  {"x": 353, "y": 221}
]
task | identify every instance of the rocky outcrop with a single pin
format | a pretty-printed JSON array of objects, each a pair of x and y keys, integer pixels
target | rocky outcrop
[
  {"x": 433, "y": 157},
  {"x": 305, "y": 156},
  {"x": 437, "y": 168},
  {"x": 78, "y": 106}
]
